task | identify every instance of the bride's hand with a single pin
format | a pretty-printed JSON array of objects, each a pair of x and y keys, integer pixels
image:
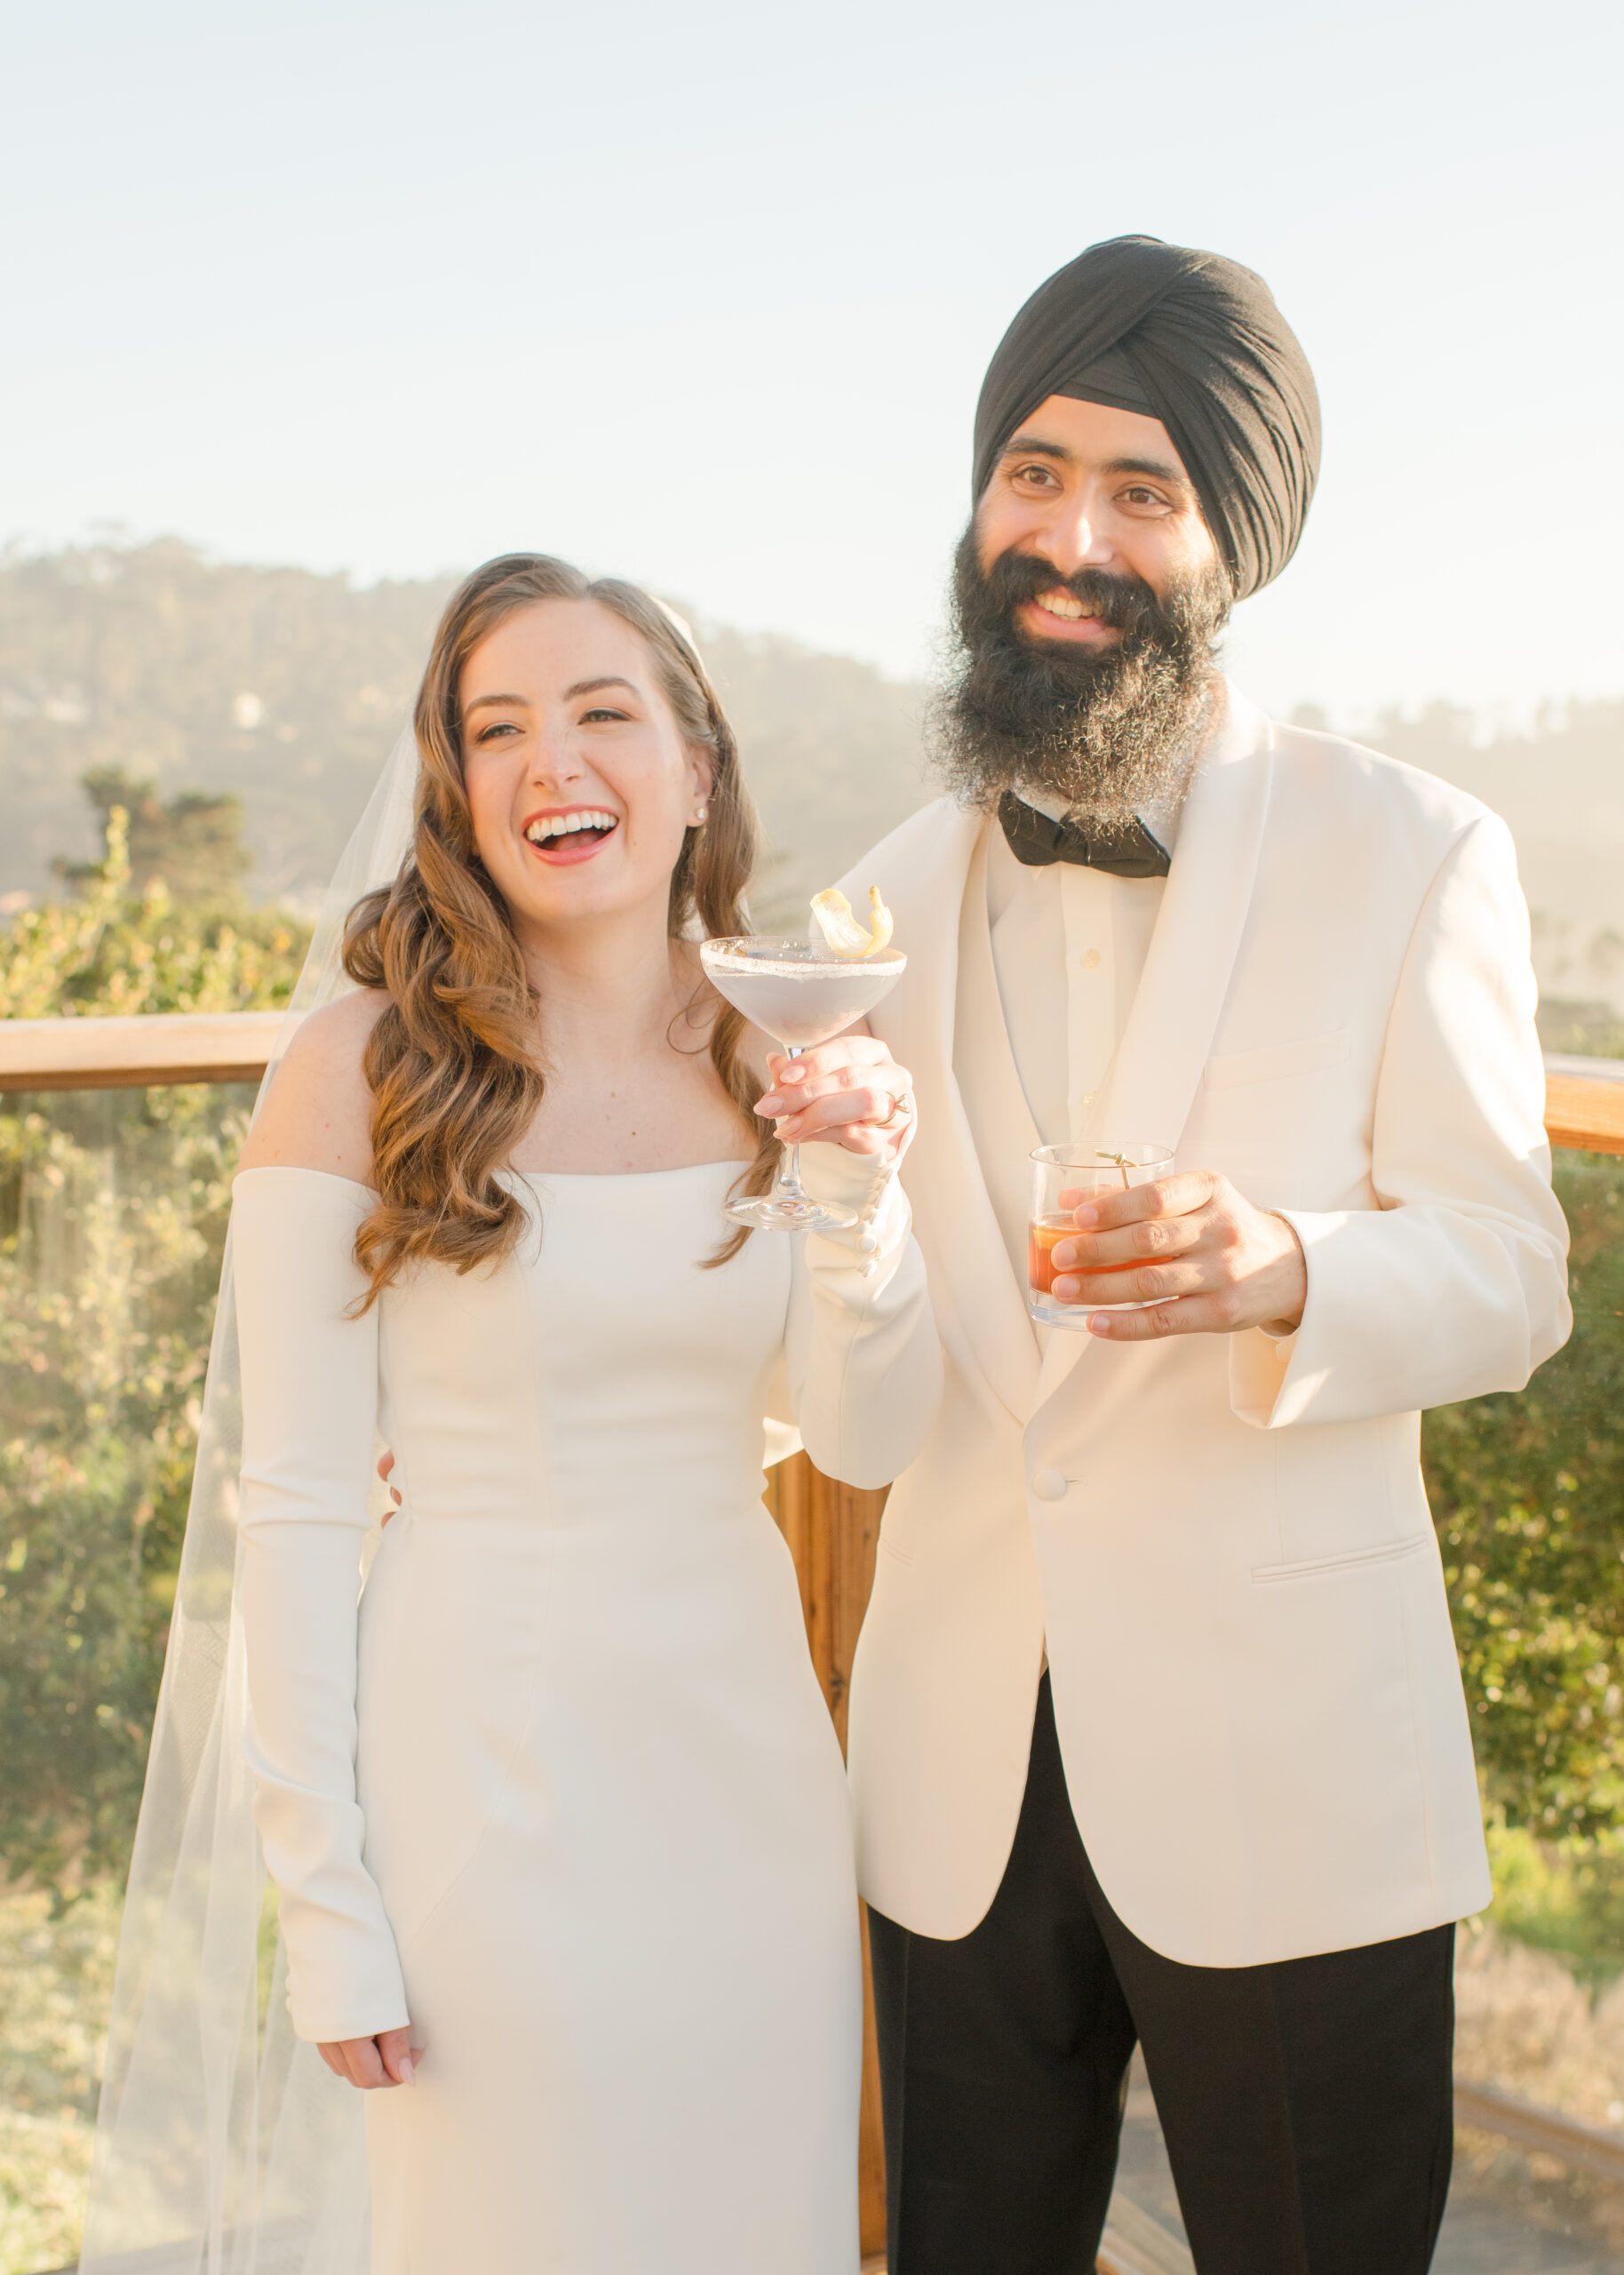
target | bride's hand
[
  {"x": 386, "y": 2060},
  {"x": 849, "y": 1092}
]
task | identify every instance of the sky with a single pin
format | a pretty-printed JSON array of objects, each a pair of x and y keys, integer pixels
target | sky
[{"x": 703, "y": 295}]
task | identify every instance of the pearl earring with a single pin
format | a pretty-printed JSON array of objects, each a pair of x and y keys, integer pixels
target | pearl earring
[{"x": 700, "y": 816}]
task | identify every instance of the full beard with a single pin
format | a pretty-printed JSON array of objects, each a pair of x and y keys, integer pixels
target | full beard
[{"x": 1105, "y": 730}]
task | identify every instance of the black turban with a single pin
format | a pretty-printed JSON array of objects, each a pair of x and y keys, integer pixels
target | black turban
[{"x": 1196, "y": 341}]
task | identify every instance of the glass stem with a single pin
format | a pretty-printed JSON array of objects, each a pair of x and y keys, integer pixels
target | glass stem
[{"x": 788, "y": 1161}]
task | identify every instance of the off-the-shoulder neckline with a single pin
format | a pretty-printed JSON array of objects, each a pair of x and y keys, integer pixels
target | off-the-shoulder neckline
[
  {"x": 296, "y": 1168},
  {"x": 622, "y": 1176},
  {"x": 538, "y": 1176}
]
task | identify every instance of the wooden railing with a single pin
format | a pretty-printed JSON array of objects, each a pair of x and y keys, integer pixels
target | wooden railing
[
  {"x": 832, "y": 1529},
  {"x": 1584, "y": 1103},
  {"x": 1584, "y": 1098},
  {"x": 136, "y": 1054}
]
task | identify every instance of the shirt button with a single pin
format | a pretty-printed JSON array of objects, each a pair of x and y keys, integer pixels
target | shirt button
[
  {"x": 1089, "y": 959},
  {"x": 1049, "y": 1484}
]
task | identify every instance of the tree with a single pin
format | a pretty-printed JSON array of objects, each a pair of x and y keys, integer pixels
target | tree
[{"x": 193, "y": 842}]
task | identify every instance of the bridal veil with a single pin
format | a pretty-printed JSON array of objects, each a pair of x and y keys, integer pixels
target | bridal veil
[{"x": 225, "y": 2146}]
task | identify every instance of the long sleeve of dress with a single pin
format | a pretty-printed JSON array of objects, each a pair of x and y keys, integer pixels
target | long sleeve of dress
[
  {"x": 309, "y": 1420},
  {"x": 863, "y": 1361}
]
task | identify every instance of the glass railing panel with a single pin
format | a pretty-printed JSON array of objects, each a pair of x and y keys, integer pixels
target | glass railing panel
[{"x": 112, "y": 1209}]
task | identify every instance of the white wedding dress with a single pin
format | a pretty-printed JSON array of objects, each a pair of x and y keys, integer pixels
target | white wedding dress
[{"x": 564, "y": 1791}]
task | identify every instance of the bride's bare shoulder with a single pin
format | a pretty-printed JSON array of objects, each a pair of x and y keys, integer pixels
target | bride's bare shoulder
[{"x": 318, "y": 1112}]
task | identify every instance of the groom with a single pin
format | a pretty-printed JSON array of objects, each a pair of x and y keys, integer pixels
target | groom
[{"x": 1155, "y": 1728}]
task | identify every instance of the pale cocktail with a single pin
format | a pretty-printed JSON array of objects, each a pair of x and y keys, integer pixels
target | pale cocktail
[{"x": 801, "y": 996}]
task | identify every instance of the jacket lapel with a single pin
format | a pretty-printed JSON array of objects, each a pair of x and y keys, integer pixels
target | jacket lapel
[
  {"x": 1169, "y": 1036},
  {"x": 923, "y": 883},
  {"x": 995, "y": 1107}
]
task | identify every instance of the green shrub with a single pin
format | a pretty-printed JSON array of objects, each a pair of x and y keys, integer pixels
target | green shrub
[{"x": 1528, "y": 1496}]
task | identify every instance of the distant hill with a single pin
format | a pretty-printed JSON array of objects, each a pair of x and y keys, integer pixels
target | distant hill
[
  {"x": 283, "y": 687},
  {"x": 286, "y": 689}
]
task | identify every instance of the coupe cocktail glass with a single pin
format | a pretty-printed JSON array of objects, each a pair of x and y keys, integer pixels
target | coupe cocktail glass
[
  {"x": 799, "y": 995},
  {"x": 1064, "y": 1177}
]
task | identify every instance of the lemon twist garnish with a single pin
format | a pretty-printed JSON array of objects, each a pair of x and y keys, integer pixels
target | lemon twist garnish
[{"x": 840, "y": 929}]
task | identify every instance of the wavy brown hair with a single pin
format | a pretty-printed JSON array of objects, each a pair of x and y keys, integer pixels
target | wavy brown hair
[{"x": 453, "y": 1062}]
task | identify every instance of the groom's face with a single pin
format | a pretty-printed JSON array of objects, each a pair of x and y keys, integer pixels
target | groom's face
[
  {"x": 1081, "y": 487},
  {"x": 1087, "y": 593}
]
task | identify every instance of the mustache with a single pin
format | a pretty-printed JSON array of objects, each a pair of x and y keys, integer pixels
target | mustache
[{"x": 1127, "y": 603}]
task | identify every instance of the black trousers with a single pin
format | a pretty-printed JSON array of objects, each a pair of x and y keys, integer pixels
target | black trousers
[{"x": 1307, "y": 2105}]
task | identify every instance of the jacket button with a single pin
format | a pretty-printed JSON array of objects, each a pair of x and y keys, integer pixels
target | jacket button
[{"x": 1049, "y": 1484}]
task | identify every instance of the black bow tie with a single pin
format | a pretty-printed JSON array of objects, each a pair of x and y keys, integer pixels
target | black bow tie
[{"x": 1121, "y": 849}]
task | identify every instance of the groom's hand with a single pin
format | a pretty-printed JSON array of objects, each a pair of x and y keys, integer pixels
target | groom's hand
[{"x": 1203, "y": 1259}]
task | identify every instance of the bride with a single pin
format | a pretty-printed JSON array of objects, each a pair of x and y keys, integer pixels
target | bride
[{"x": 557, "y": 1819}]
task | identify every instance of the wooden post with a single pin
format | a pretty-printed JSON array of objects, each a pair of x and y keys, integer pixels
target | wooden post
[{"x": 833, "y": 1531}]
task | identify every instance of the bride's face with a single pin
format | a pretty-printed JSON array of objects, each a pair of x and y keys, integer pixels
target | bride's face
[{"x": 579, "y": 782}]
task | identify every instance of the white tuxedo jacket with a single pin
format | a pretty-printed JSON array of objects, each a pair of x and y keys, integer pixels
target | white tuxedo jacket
[{"x": 1224, "y": 1541}]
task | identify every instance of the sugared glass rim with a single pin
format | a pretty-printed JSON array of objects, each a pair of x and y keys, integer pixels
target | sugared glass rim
[{"x": 786, "y": 955}]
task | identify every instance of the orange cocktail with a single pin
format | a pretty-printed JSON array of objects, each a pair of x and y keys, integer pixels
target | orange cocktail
[
  {"x": 1063, "y": 1177},
  {"x": 1042, "y": 1238}
]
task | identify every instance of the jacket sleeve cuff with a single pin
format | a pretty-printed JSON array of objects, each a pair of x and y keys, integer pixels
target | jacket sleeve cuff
[
  {"x": 1274, "y": 1377},
  {"x": 1259, "y": 1364}
]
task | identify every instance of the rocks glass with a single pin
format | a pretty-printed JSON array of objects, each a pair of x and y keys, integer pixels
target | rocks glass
[{"x": 1064, "y": 1177}]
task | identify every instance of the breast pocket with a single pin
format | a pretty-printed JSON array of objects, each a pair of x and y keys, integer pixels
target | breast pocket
[
  {"x": 1277, "y": 1063},
  {"x": 1272, "y": 1118}
]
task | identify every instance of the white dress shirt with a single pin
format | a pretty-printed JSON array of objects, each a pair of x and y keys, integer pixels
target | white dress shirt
[
  {"x": 1067, "y": 950},
  {"x": 1049, "y": 962}
]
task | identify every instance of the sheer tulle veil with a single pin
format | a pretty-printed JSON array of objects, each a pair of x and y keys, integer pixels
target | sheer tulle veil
[{"x": 224, "y": 2146}]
